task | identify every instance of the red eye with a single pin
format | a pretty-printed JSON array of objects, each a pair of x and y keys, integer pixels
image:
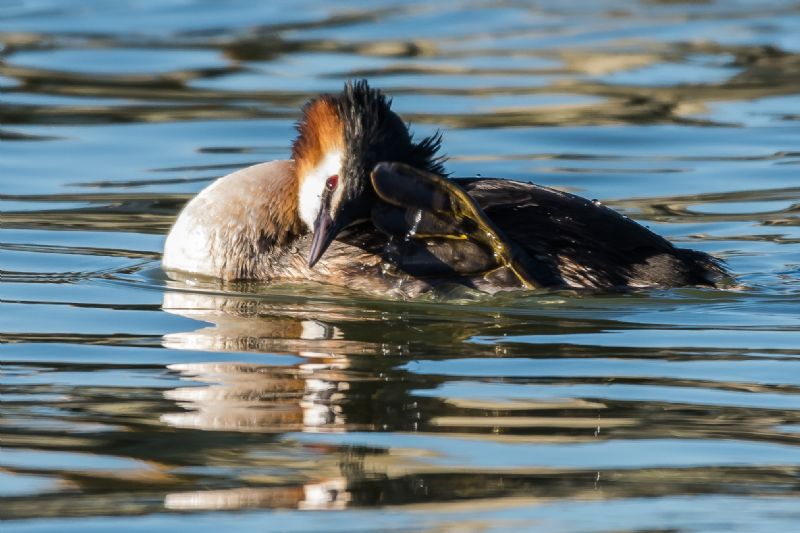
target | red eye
[{"x": 332, "y": 182}]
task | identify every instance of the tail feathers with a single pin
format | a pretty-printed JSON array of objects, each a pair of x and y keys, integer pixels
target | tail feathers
[{"x": 704, "y": 269}]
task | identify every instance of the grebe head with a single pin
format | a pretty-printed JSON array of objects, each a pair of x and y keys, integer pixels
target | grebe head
[{"x": 340, "y": 140}]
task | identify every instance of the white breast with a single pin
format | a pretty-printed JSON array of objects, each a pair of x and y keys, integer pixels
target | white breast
[{"x": 216, "y": 224}]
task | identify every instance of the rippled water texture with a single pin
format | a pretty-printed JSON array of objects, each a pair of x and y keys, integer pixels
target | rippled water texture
[{"x": 139, "y": 403}]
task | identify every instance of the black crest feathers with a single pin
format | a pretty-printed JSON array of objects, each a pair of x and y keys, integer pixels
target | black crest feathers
[{"x": 376, "y": 133}]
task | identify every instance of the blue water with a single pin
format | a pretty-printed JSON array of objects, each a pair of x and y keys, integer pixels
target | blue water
[{"x": 134, "y": 402}]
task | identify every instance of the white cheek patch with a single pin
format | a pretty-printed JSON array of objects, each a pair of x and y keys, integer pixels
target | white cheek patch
[{"x": 313, "y": 185}]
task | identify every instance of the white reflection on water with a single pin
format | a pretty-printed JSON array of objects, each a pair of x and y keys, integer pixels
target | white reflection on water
[{"x": 327, "y": 495}]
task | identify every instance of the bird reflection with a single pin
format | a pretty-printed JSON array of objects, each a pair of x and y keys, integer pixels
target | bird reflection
[
  {"x": 350, "y": 376},
  {"x": 246, "y": 397},
  {"x": 308, "y": 396},
  {"x": 324, "y": 495},
  {"x": 333, "y": 388}
]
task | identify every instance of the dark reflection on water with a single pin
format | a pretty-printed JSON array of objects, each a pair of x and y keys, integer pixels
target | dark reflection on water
[{"x": 138, "y": 402}]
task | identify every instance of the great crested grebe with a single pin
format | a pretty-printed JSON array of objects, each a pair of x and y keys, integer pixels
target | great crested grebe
[{"x": 362, "y": 205}]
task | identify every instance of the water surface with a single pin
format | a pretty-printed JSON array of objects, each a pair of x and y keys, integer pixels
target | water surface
[{"x": 134, "y": 402}]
